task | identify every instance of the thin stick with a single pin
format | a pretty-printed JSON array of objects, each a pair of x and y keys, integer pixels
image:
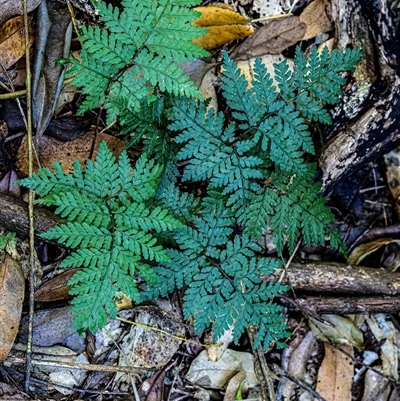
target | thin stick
[
  {"x": 289, "y": 261},
  {"x": 271, "y": 17},
  {"x": 30, "y": 201},
  {"x": 68, "y": 365},
  {"x": 12, "y": 95}
]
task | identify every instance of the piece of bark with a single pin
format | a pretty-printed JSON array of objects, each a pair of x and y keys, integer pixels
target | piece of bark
[
  {"x": 343, "y": 305},
  {"x": 339, "y": 278},
  {"x": 368, "y": 126},
  {"x": 14, "y": 217}
]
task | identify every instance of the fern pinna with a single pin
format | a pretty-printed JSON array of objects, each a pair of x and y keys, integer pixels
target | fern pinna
[
  {"x": 110, "y": 224},
  {"x": 137, "y": 55}
]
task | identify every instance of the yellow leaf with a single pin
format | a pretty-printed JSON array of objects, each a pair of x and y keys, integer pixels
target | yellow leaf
[
  {"x": 219, "y": 15},
  {"x": 223, "y": 25}
]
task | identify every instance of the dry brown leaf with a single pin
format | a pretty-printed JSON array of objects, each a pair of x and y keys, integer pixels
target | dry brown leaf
[
  {"x": 316, "y": 19},
  {"x": 12, "y": 288},
  {"x": 335, "y": 375},
  {"x": 56, "y": 289},
  {"x": 12, "y": 41},
  {"x": 272, "y": 38},
  {"x": 362, "y": 251},
  {"x": 337, "y": 329},
  {"x": 11, "y": 8},
  {"x": 223, "y": 25},
  {"x": 51, "y": 149}
]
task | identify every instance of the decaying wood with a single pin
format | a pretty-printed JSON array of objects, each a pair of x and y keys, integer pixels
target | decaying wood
[
  {"x": 339, "y": 278},
  {"x": 368, "y": 124},
  {"x": 14, "y": 216},
  {"x": 343, "y": 305}
]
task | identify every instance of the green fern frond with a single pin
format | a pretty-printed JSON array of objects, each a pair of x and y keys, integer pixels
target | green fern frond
[
  {"x": 249, "y": 168},
  {"x": 223, "y": 279},
  {"x": 111, "y": 227},
  {"x": 136, "y": 52}
]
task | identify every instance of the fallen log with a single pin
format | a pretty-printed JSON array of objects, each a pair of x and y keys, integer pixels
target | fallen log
[
  {"x": 338, "y": 278},
  {"x": 342, "y": 305},
  {"x": 14, "y": 217},
  {"x": 367, "y": 123}
]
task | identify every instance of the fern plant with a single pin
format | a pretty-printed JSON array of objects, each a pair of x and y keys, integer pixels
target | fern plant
[
  {"x": 256, "y": 161},
  {"x": 250, "y": 167},
  {"x": 111, "y": 225},
  {"x": 125, "y": 65},
  {"x": 254, "y": 166}
]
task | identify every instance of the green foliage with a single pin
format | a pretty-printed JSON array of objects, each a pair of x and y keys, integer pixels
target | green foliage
[
  {"x": 256, "y": 161},
  {"x": 124, "y": 64},
  {"x": 111, "y": 223},
  {"x": 7, "y": 240},
  {"x": 222, "y": 179},
  {"x": 222, "y": 275}
]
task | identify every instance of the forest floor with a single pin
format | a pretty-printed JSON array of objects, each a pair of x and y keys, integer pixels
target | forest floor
[{"x": 342, "y": 311}]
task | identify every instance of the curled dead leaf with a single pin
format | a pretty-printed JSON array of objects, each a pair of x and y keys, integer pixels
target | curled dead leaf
[
  {"x": 12, "y": 289},
  {"x": 316, "y": 19},
  {"x": 363, "y": 250},
  {"x": 56, "y": 289}
]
